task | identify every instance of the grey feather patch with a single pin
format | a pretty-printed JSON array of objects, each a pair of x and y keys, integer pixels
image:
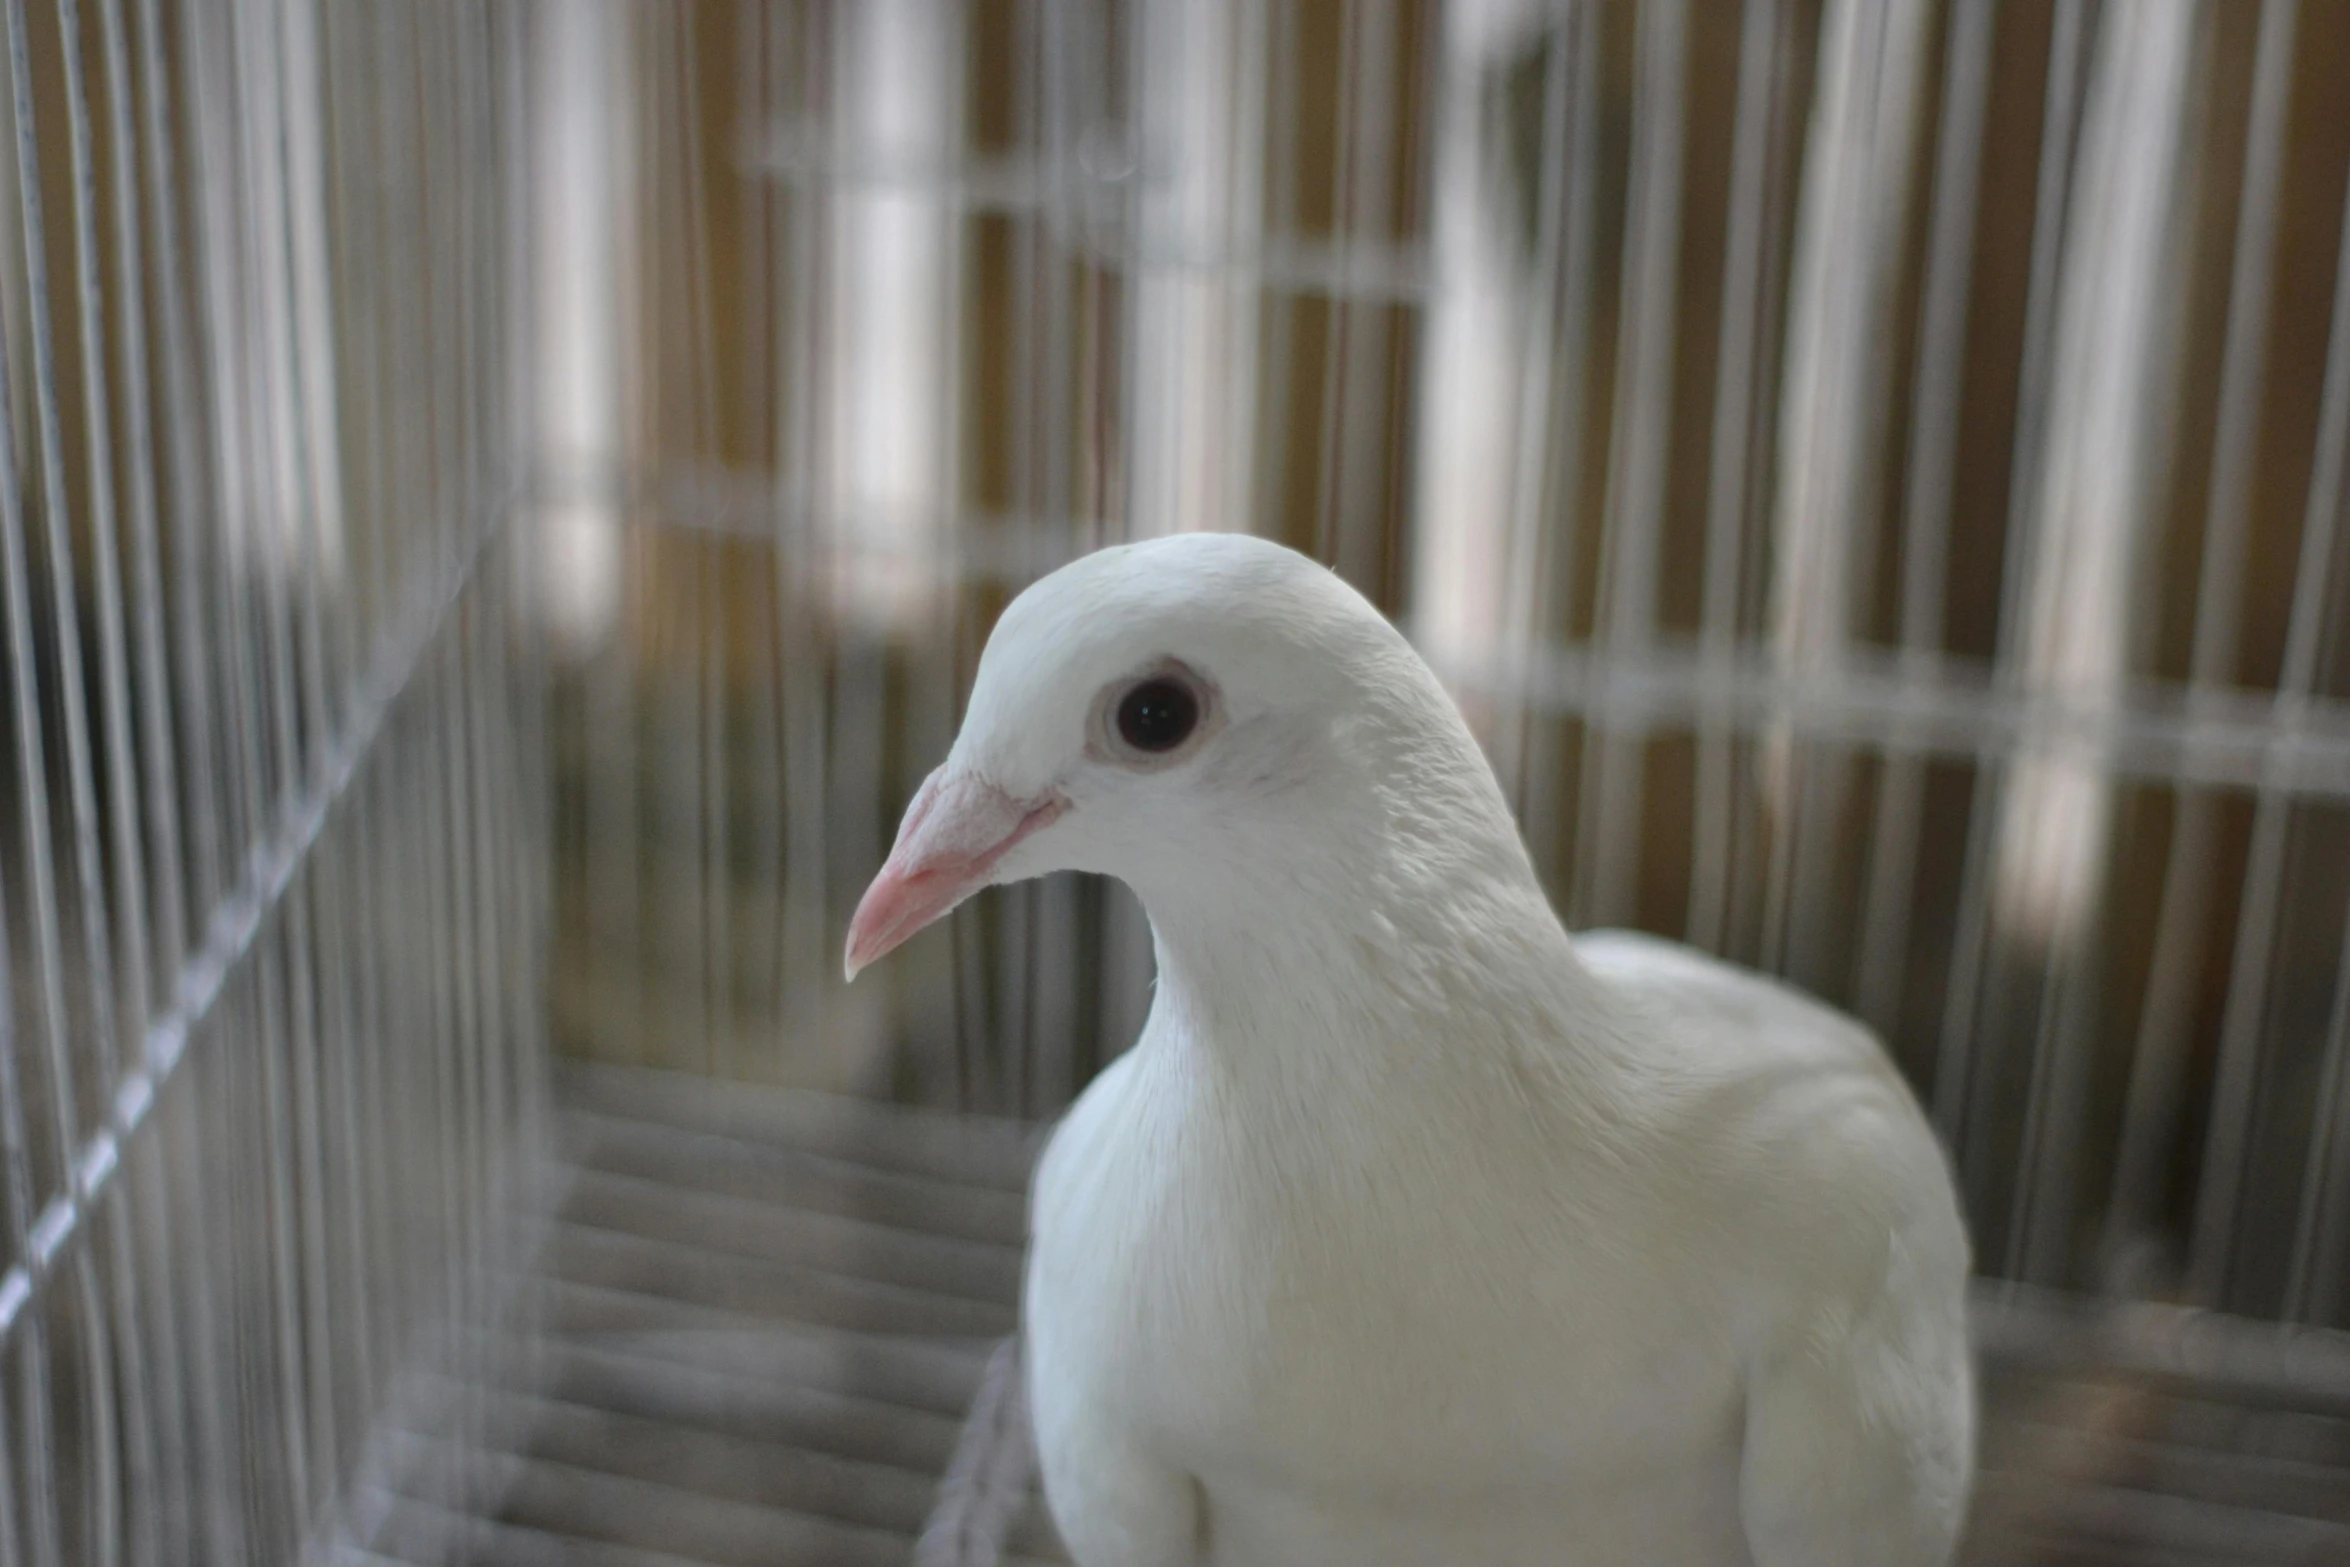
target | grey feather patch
[{"x": 988, "y": 1479}]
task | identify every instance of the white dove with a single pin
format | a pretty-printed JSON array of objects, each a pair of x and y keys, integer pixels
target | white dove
[{"x": 1411, "y": 1231}]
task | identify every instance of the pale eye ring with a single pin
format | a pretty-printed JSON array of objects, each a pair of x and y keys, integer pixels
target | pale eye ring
[{"x": 1155, "y": 717}]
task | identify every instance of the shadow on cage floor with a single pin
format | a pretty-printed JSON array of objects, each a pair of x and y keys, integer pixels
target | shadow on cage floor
[{"x": 757, "y": 1318}]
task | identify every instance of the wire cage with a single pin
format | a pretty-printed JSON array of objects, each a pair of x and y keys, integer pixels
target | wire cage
[{"x": 499, "y": 505}]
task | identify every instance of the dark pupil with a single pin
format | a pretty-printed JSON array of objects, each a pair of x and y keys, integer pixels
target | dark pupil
[{"x": 1157, "y": 715}]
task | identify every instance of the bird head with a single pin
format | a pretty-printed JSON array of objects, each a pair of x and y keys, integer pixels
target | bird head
[{"x": 1184, "y": 713}]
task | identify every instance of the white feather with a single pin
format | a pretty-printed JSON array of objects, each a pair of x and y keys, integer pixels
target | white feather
[{"x": 1411, "y": 1231}]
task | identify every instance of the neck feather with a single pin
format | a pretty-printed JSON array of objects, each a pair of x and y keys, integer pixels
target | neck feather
[{"x": 1394, "y": 916}]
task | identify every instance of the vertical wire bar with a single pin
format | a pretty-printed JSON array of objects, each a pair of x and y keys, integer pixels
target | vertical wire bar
[
  {"x": 1024, "y": 462},
  {"x": 1751, "y": 852},
  {"x": 245, "y": 1345},
  {"x": 493, "y": 709},
  {"x": 498, "y": 830},
  {"x": 466, "y": 1253},
  {"x": 168, "y": 1514},
  {"x": 933, "y": 709},
  {"x": 800, "y": 656},
  {"x": 1856, "y": 176},
  {"x": 2236, "y": 1076},
  {"x": 215, "y": 174},
  {"x": 859, "y": 708},
  {"x": 295, "y": 182},
  {"x": 305, "y": 659},
  {"x": 1113, "y": 371},
  {"x": 97, "y": 955},
  {"x": 1727, "y": 477},
  {"x": 992, "y": 982},
  {"x": 1554, "y": 382},
  {"x": 445, "y": 1017},
  {"x": 1607, "y": 849},
  {"x": 386, "y": 993},
  {"x": 81, "y": 782},
  {"x": 477, "y": 621},
  {"x": 2314, "y": 1271},
  {"x": 276, "y": 958},
  {"x": 333, "y": 892},
  {"x": 674, "y": 946},
  {"x": 372, "y": 1211},
  {"x": 130, "y": 877},
  {"x": 757, "y": 39},
  {"x": 717, "y": 966},
  {"x": 23, "y": 1191},
  {"x": 337, "y": 890},
  {"x": 17, "y": 1197},
  {"x": 2040, "y": 1161},
  {"x": 1953, "y": 1067},
  {"x": 2165, "y": 50},
  {"x": 447, "y": 1244},
  {"x": 17, "y": 1194},
  {"x": 713, "y": 699},
  {"x": 464, "y": 498},
  {"x": 260, "y": 70},
  {"x": 1267, "y": 65},
  {"x": 964, "y": 1042},
  {"x": 1051, "y": 383},
  {"x": 1363, "y": 493},
  {"x": 501, "y": 806},
  {"x": 613, "y": 872},
  {"x": 1115, "y": 525},
  {"x": 114, "y": 677},
  {"x": 429, "y": 1022},
  {"x": 2153, "y": 1101},
  {"x": 531, "y": 850},
  {"x": 1054, "y": 919},
  {"x": 218, "y": 1524},
  {"x": 1810, "y": 522},
  {"x": 391, "y": 1135},
  {"x": 155, "y": 742},
  {"x": 482, "y": 952},
  {"x": 1523, "y": 754},
  {"x": 413, "y": 1038},
  {"x": 1418, "y": 84},
  {"x": 206, "y": 856},
  {"x": 1338, "y": 304},
  {"x": 1262, "y": 73},
  {"x": 1935, "y": 400}
]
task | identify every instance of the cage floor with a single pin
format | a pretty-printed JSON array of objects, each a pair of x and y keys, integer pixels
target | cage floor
[{"x": 751, "y": 1330}]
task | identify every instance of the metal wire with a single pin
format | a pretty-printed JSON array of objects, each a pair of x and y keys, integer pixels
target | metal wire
[
  {"x": 1713, "y": 391},
  {"x": 217, "y": 644},
  {"x": 1739, "y": 695},
  {"x": 499, "y": 505}
]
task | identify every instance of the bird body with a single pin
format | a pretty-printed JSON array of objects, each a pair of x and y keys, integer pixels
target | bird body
[{"x": 1413, "y": 1231}]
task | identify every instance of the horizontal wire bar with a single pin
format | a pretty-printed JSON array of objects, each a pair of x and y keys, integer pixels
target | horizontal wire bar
[
  {"x": 1940, "y": 705},
  {"x": 1917, "y": 703},
  {"x": 236, "y": 923},
  {"x": 1082, "y": 209},
  {"x": 1353, "y": 270},
  {"x": 2297, "y": 1367},
  {"x": 979, "y": 183}
]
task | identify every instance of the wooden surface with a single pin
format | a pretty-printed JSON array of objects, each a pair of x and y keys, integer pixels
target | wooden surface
[{"x": 756, "y": 1319}]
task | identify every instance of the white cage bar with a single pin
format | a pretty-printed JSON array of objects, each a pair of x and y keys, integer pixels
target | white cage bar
[{"x": 499, "y": 504}]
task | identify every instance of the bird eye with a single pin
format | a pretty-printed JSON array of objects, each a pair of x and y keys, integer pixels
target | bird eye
[{"x": 1158, "y": 715}]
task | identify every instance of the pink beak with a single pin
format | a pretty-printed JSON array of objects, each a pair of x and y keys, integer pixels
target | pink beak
[{"x": 956, "y": 830}]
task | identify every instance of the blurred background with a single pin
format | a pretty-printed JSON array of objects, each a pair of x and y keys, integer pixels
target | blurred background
[{"x": 500, "y": 504}]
